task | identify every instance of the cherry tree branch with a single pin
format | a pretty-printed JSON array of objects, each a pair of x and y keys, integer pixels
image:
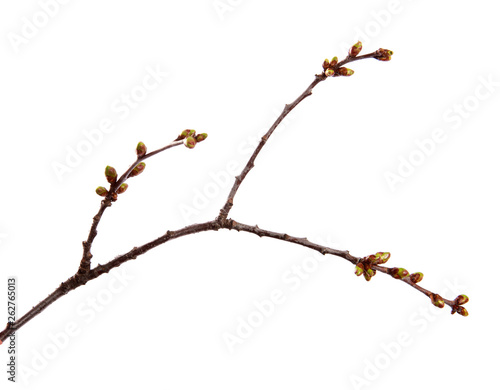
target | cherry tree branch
[{"x": 366, "y": 266}]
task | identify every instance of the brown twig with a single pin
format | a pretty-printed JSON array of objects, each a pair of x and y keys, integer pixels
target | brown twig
[
  {"x": 107, "y": 202},
  {"x": 286, "y": 110}
]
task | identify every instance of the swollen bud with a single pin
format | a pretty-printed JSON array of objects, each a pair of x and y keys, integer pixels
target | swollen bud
[
  {"x": 368, "y": 274},
  {"x": 462, "y": 311},
  {"x": 398, "y": 273},
  {"x": 416, "y": 277},
  {"x": 384, "y": 54},
  {"x": 110, "y": 174},
  {"x": 329, "y": 72},
  {"x": 101, "y": 191},
  {"x": 345, "y": 72},
  {"x": 139, "y": 168},
  {"x": 334, "y": 61},
  {"x": 122, "y": 188},
  {"x": 201, "y": 137},
  {"x": 359, "y": 269},
  {"x": 185, "y": 133},
  {"x": 461, "y": 299},
  {"x": 190, "y": 142},
  {"x": 141, "y": 149},
  {"x": 437, "y": 300},
  {"x": 326, "y": 64},
  {"x": 382, "y": 257},
  {"x": 355, "y": 49}
]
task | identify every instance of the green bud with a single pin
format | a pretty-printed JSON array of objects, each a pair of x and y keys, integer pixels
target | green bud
[
  {"x": 110, "y": 174},
  {"x": 369, "y": 273},
  {"x": 334, "y": 61},
  {"x": 201, "y": 137},
  {"x": 141, "y": 149},
  {"x": 190, "y": 142},
  {"x": 139, "y": 168},
  {"x": 382, "y": 257},
  {"x": 345, "y": 72},
  {"x": 416, "y": 277},
  {"x": 461, "y": 299},
  {"x": 101, "y": 191},
  {"x": 359, "y": 269},
  {"x": 185, "y": 133},
  {"x": 398, "y": 273},
  {"x": 355, "y": 49},
  {"x": 122, "y": 188},
  {"x": 329, "y": 72},
  {"x": 437, "y": 300}
]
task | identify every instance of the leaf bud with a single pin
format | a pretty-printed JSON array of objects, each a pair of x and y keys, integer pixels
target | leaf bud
[
  {"x": 359, "y": 269},
  {"x": 398, "y": 273},
  {"x": 122, "y": 188},
  {"x": 461, "y": 299},
  {"x": 355, "y": 49},
  {"x": 110, "y": 174},
  {"x": 139, "y": 168},
  {"x": 201, "y": 137},
  {"x": 190, "y": 142},
  {"x": 141, "y": 149},
  {"x": 437, "y": 300},
  {"x": 101, "y": 191},
  {"x": 345, "y": 72},
  {"x": 416, "y": 277}
]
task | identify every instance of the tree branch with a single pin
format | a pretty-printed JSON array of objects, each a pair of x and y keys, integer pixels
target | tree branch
[
  {"x": 366, "y": 266},
  {"x": 110, "y": 197}
]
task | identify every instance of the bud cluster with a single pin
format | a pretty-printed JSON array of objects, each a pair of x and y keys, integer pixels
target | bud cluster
[
  {"x": 330, "y": 68},
  {"x": 457, "y": 308},
  {"x": 364, "y": 266},
  {"x": 191, "y": 138},
  {"x": 384, "y": 54}
]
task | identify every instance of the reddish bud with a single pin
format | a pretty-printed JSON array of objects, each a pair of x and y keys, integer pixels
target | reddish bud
[
  {"x": 461, "y": 299},
  {"x": 201, "y": 137},
  {"x": 437, "y": 300},
  {"x": 141, "y": 149},
  {"x": 190, "y": 142},
  {"x": 345, "y": 72},
  {"x": 122, "y": 188},
  {"x": 101, "y": 191},
  {"x": 334, "y": 61},
  {"x": 110, "y": 174},
  {"x": 359, "y": 269},
  {"x": 355, "y": 49},
  {"x": 114, "y": 196},
  {"x": 416, "y": 277},
  {"x": 384, "y": 54},
  {"x": 326, "y": 64},
  {"x": 462, "y": 311},
  {"x": 398, "y": 273},
  {"x": 139, "y": 168}
]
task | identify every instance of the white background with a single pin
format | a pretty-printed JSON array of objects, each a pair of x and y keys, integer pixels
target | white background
[{"x": 322, "y": 175}]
